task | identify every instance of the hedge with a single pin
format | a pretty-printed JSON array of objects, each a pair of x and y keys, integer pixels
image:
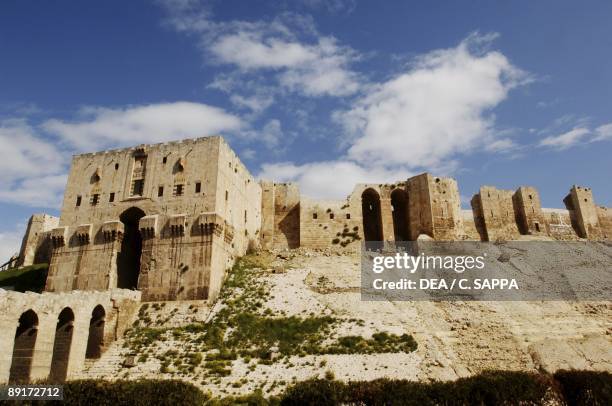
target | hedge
[
  {"x": 585, "y": 387},
  {"x": 488, "y": 388},
  {"x": 146, "y": 392}
]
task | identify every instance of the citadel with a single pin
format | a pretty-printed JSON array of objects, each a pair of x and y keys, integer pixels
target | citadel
[{"x": 165, "y": 222}]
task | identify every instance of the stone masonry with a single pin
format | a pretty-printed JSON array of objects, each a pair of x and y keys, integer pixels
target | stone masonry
[{"x": 169, "y": 219}]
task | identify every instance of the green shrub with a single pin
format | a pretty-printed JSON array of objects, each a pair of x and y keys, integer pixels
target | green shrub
[
  {"x": 29, "y": 278},
  {"x": 585, "y": 387},
  {"x": 488, "y": 388},
  {"x": 142, "y": 392}
]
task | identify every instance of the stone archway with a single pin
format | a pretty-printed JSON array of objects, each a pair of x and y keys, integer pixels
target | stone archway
[
  {"x": 23, "y": 349},
  {"x": 401, "y": 219},
  {"x": 128, "y": 262},
  {"x": 95, "y": 340},
  {"x": 372, "y": 219},
  {"x": 62, "y": 345}
]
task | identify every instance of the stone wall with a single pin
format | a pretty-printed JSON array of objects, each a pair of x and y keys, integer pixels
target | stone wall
[
  {"x": 582, "y": 206},
  {"x": 280, "y": 207},
  {"x": 170, "y": 219},
  {"x": 191, "y": 205},
  {"x": 35, "y": 245},
  {"x": 28, "y": 353},
  {"x": 329, "y": 223}
]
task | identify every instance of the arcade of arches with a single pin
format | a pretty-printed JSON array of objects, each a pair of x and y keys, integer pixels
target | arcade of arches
[{"x": 373, "y": 218}]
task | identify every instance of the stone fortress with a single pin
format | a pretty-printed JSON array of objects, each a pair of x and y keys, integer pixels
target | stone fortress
[{"x": 166, "y": 221}]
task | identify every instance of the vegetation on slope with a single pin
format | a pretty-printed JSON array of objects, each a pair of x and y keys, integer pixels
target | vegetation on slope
[
  {"x": 243, "y": 327},
  {"x": 28, "y": 278}
]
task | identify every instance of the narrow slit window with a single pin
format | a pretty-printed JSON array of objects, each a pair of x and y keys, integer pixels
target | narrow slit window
[
  {"x": 78, "y": 202},
  {"x": 95, "y": 198},
  {"x": 198, "y": 187},
  {"x": 331, "y": 216},
  {"x": 111, "y": 197},
  {"x": 226, "y": 195},
  {"x": 348, "y": 216},
  {"x": 160, "y": 191},
  {"x": 314, "y": 216}
]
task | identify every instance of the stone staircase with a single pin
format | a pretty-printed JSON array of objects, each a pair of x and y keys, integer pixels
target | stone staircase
[{"x": 109, "y": 365}]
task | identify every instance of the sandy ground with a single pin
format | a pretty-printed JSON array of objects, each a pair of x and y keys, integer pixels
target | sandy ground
[{"x": 455, "y": 339}]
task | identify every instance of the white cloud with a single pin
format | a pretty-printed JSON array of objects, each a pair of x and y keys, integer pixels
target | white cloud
[
  {"x": 256, "y": 103},
  {"x": 501, "y": 145},
  {"x": 36, "y": 191},
  {"x": 100, "y": 127},
  {"x": 440, "y": 107},
  {"x": 270, "y": 135},
  {"x": 303, "y": 60},
  {"x": 603, "y": 132},
  {"x": 330, "y": 179},
  {"x": 10, "y": 242},
  {"x": 565, "y": 140},
  {"x": 332, "y": 6},
  {"x": 23, "y": 154},
  {"x": 31, "y": 168}
]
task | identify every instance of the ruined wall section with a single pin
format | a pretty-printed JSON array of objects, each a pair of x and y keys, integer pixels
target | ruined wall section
[
  {"x": 559, "y": 224},
  {"x": 420, "y": 206},
  {"x": 582, "y": 207},
  {"x": 529, "y": 211},
  {"x": 280, "y": 206},
  {"x": 330, "y": 223},
  {"x": 35, "y": 247},
  {"x": 604, "y": 215},
  {"x": 119, "y": 307},
  {"x": 446, "y": 209},
  {"x": 495, "y": 213}
]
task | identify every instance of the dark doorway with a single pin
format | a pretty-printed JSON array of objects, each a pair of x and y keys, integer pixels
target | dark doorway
[
  {"x": 401, "y": 220},
  {"x": 372, "y": 220},
  {"x": 128, "y": 266},
  {"x": 23, "y": 350},
  {"x": 95, "y": 340},
  {"x": 61, "y": 345}
]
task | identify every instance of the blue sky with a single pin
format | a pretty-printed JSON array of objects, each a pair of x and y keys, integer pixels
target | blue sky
[{"x": 326, "y": 93}]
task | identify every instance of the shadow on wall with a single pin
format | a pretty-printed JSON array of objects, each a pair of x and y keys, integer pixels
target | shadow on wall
[{"x": 290, "y": 227}]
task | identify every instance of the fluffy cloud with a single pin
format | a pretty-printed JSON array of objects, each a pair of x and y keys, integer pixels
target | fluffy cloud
[
  {"x": 330, "y": 179},
  {"x": 10, "y": 242},
  {"x": 23, "y": 154},
  {"x": 304, "y": 61},
  {"x": 565, "y": 140},
  {"x": 603, "y": 132},
  {"x": 36, "y": 191},
  {"x": 100, "y": 127},
  {"x": 580, "y": 134},
  {"x": 423, "y": 118},
  {"x": 438, "y": 108},
  {"x": 31, "y": 168}
]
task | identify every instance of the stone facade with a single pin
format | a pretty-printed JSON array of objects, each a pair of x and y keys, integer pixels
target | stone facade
[
  {"x": 35, "y": 247},
  {"x": 50, "y": 335},
  {"x": 169, "y": 219},
  {"x": 166, "y": 219}
]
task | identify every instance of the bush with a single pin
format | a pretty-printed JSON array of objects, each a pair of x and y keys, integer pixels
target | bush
[
  {"x": 585, "y": 387},
  {"x": 316, "y": 393},
  {"x": 142, "y": 392},
  {"x": 29, "y": 278},
  {"x": 488, "y": 388}
]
